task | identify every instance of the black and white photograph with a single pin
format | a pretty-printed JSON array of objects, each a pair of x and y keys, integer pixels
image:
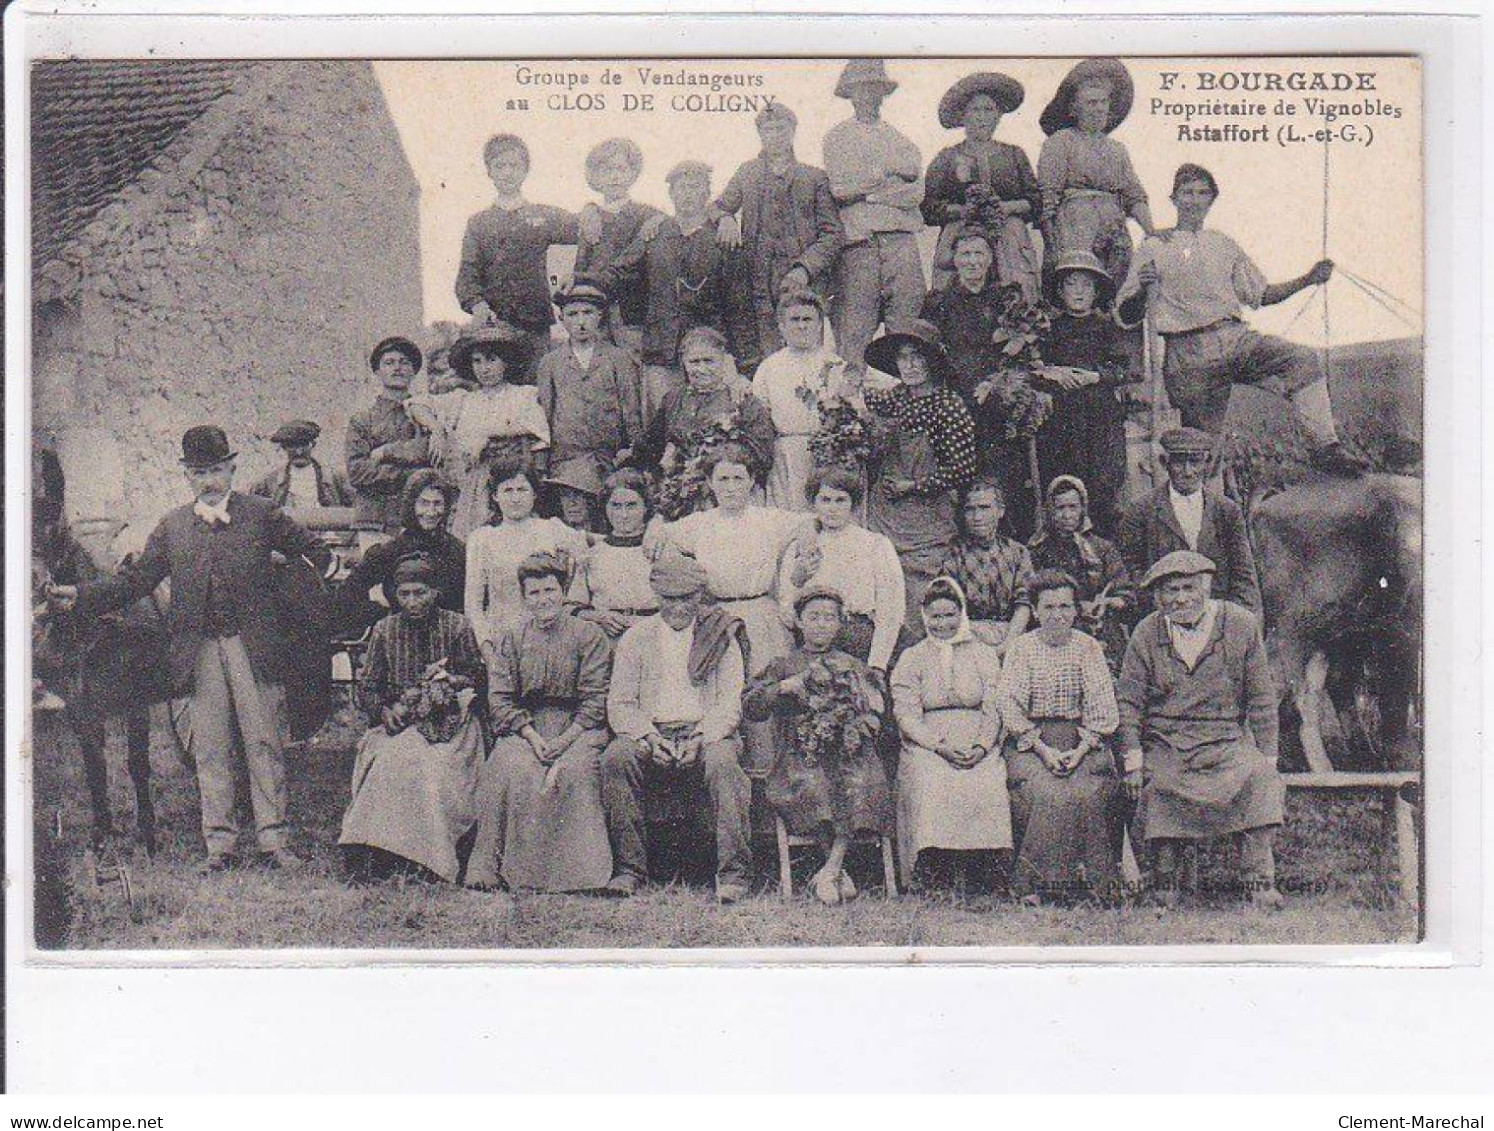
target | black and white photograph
[{"x": 725, "y": 504}]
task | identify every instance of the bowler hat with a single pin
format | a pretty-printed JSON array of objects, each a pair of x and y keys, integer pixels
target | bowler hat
[
  {"x": 863, "y": 72},
  {"x": 919, "y": 333},
  {"x": 1179, "y": 563},
  {"x": 1060, "y": 111},
  {"x": 205, "y": 445},
  {"x": 296, "y": 432},
  {"x": 1004, "y": 90}
]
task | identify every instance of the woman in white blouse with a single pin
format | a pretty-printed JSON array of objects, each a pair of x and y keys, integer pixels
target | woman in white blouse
[
  {"x": 861, "y": 565},
  {"x": 792, "y": 382},
  {"x": 494, "y": 551},
  {"x": 488, "y": 419},
  {"x": 740, "y": 545}
]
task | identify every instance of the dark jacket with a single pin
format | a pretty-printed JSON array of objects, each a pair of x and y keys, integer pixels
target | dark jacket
[
  {"x": 1149, "y": 531},
  {"x": 332, "y": 487},
  {"x": 688, "y": 281},
  {"x": 194, "y": 555},
  {"x": 818, "y": 231}
]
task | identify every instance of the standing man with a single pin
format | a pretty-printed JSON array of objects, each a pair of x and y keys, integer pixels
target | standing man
[
  {"x": 1195, "y": 282},
  {"x": 1198, "y": 729},
  {"x": 303, "y": 481},
  {"x": 675, "y": 704},
  {"x": 224, "y": 634},
  {"x": 384, "y": 446},
  {"x": 1183, "y": 514},
  {"x": 784, "y": 215},
  {"x": 876, "y": 176}
]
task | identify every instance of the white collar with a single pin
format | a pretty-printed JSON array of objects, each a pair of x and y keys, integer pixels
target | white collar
[
  {"x": 616, "y": 206},
  {"x": 511, "y": 203},
  {"x": 211, "y": 514}
]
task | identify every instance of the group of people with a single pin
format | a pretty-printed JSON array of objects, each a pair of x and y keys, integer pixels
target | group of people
[{"x": 697, "y": 545}]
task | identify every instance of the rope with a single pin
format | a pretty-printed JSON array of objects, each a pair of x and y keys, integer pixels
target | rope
[
  {"x": 1379, "y": 291},
  {"x": 1312, "y": 298},
  {"x": 1327, "y": 328},
  {"x": 1392, "y": 311}
]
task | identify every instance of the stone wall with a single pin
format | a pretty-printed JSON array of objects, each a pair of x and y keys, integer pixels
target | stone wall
[{"x": 242, "y": 284}]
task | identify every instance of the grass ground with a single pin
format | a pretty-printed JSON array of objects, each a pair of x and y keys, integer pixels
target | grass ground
[{"x": 1327, "y": 864}]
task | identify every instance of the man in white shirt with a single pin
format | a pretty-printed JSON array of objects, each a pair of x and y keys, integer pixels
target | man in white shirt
[
  {"x": 302, "y": 482},
  {"x": 1184, "y": 514},
  {"x": 876, "y": 176},
  {"x": 674, "y": 704}
]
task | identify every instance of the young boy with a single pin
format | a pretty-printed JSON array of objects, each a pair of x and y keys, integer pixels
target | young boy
[
  {"x": 1088, "y": 359},
  {"x": 503, "y": 276},
  {"x": 590, "y": 389},
  {"x": 612, "y": 169}
]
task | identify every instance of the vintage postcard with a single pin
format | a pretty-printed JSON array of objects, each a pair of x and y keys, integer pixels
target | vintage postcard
[{"x": 615, "y": 504}]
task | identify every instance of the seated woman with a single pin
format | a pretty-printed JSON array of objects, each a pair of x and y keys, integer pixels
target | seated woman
[
  {"x": 953, "y": 816},
  {"x": 494, "y": 551},
  {"x": 827, "y": 779},
  {"x": 859, "y": 564},
  {"x": 415, "y": 776},
  {"x": 1106, "y": 594},
  {"x": 990, "y": 568},
  {"x": 1058, "y": 706},
  {"x": 471, "y": 429},
  {"x": 611, "y": 587},
  {"x": 540, "y": 824},
  {"x": 427, "y": 504}
]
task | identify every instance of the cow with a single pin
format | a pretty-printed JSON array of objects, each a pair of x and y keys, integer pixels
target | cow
[{"x": 1341, "y": 582}]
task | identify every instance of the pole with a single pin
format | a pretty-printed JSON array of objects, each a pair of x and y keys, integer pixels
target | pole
[{"x": 1155, "y": 393}]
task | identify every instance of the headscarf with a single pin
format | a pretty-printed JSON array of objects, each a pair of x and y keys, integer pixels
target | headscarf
[
  {"x": 1087, "y": 552},
  {"x": 944, "y": 650},
  {"x": 415, "y": 567}
]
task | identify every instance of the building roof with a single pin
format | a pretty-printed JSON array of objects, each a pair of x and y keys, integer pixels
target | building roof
[{"x": 97, "y": 125}]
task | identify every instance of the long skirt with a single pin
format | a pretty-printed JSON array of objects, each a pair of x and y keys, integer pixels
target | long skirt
[
  {"x": 1093, "y": 221},
  {"x": 1223, "y": 787},
  {"x": 548, "y": 829},
  {"x": 845, "y": 795},
  {"x": 939, "y": 806},
  {"x": 413, "y": 797},
  {"x": 793, "y": 463},
  {"x": 1067, "y": 829}
]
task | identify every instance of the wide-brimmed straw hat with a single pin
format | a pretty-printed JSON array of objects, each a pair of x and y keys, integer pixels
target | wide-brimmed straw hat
[
  {"x": 1060, "y": 111},
  {"x": 1004, "y": 90},
  {"x": 920, "y": 333},
  {"x": 863, "y": 72},
  {"x": 504, "y": 340},
  {"x": 1089, "y": 263}
]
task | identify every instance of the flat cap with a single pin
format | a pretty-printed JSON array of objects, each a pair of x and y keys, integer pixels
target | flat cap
[
  {"x": 1179, "y": 563},
  {"x": 1193, "y": 440},
  {"x": 296, "y": 432}
]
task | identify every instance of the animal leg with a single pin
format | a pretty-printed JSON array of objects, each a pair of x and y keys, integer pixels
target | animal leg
[
  {"x": 1309, "y": 698},
  {"x": 137, "y": 731}
]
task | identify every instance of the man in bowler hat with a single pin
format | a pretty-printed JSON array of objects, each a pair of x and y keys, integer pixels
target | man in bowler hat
[{"x": 224, "y": 632}]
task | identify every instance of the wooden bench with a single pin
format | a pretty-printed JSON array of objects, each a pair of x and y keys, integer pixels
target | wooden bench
[{"x": 1399, "y": 793}]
